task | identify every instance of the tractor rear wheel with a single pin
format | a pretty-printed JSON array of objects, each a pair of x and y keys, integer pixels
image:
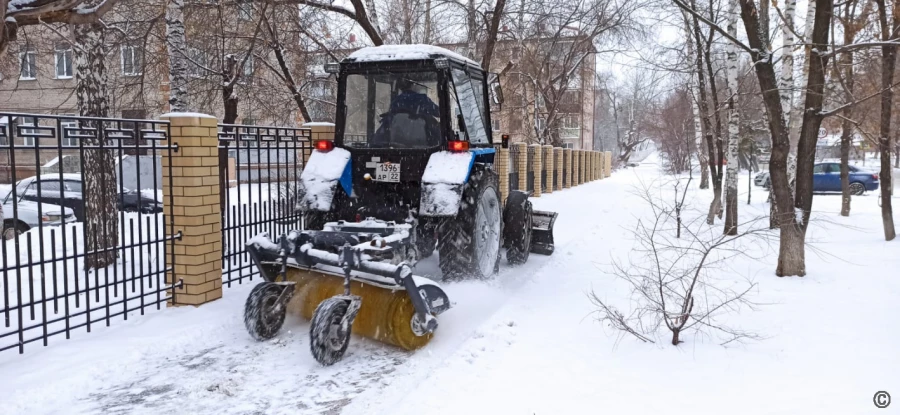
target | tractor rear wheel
[{"x": 469, "y": 243}]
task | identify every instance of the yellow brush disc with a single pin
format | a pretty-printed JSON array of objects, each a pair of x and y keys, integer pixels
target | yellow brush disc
[{"x": 384, "y": 314}]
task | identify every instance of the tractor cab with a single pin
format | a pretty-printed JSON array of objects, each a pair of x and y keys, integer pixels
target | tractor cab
[{"x": 396, "y": 106}]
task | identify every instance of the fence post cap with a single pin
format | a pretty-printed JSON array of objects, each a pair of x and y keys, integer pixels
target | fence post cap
[
  {"x": 319, "y": 126},
  {"x": 190, "y": 119}
]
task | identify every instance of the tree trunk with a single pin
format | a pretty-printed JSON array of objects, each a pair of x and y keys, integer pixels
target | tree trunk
[
  {"x": 698, "y": 129},
  {"x": 791, "y": 259},
  {"x": 492, "y": 35},
  {"x": 888, "y": 61},
  {"x": 717, "y": 154},
  {"x": 229, "y": 98},
  {"x": 846, "y": 125},
  {"x": 706, "y": 128},
  {"x": 373, "y": 15},
  {"x": 101, "y": 223},
  {"x": 786, "y": 83},
  {"x": 797, "y": 109},
  {"x": 176, "y": 47},
  {"x": 731, "y": 193},
  {"x": 791, "y": 251},
  {"x": 472, "y": 34},
  {"x": 427, "y": 35}
]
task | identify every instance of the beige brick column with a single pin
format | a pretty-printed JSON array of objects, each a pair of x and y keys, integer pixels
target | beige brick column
[
  {"x": 576, "y": 167},
  {"x": 522, "y": 161},
  {"x": 548, "y": 160},
  {"x": 608, "y": 163},
  {"x": 567, "y": 165},
  {"x": 558, "y": 166},
  {"x": 536, "y": 166},
  {"x": 501, "y": 160},
  {"x": 193, "y": 204}
]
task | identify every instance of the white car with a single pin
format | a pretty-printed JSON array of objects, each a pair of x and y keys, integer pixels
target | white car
[{"x": 27, "y": 217}]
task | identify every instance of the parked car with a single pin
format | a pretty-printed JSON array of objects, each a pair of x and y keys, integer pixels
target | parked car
[
  {"x": 68, "y": 193},
  {"x": 827, "y": 178},
  {"x": 763, "y": 179},
  {"x": 27, "y": 216}
]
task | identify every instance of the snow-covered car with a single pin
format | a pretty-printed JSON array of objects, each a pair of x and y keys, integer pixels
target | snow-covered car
[
  {"x": 68, "y": 192},
  {"x": 762, "y": 179},
  {"x": 27, "y": 216}
]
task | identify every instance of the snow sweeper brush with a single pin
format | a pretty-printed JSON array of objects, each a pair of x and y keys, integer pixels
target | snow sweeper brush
[{"x": 344, "y": 279}]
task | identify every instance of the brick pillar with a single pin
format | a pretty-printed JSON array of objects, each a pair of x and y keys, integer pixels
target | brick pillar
[
  {"x": 522, "y": 161},
  {"x": 501, "y": 160},
  {"x": 558, "y": 165},
  {"x": 536, "y": 166},
  {"x": 568, "y": 163},
  {"x": 193, "y": 204},
  {"x": 548, "y": 154},
  {"x": 576, "y": 167},
  {"x": 608, "y": 163}
]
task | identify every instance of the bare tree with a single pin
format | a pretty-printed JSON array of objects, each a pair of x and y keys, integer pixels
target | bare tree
[
  {"x": 176, "y": 48},
  {"x": 731, "y": 199},
  {"x": 22, "y": 13},
  {"x": 667, "y": 275}
]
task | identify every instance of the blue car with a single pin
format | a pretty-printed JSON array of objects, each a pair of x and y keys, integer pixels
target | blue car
[{"x": 827, "y": 178}]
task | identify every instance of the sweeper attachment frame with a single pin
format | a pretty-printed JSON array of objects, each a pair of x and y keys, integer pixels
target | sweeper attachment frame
[{"x": 326, "y": 274}]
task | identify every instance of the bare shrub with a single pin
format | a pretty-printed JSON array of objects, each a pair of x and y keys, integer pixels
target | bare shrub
[{"x": 676, "y": 282}]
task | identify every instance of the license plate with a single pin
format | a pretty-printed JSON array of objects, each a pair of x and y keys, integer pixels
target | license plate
[{"x": 387, "y": 172}]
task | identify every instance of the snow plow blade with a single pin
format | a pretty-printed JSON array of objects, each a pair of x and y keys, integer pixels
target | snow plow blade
[
  {"x": 542, "y": 232},
  {"x": 395, "y": 306}
]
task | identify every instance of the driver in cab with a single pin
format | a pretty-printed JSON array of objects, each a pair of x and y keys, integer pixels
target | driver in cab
[{"x": 412, "y": 120}]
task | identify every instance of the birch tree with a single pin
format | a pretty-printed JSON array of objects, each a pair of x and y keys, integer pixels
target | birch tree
[
  {"x": 699, "y": 137},
  {"x": 99, "y": 180},
  {"x": 731, "y": 202},
  {"x": 176, "y": 48}
]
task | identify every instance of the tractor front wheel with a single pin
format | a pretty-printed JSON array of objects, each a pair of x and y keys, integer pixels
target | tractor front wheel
[
  {"x": 327, "y": 339},
  {"x": 263, "y": 312},
  {"x": 518, "y": 219},
  {"x": 469, "y": 243}
]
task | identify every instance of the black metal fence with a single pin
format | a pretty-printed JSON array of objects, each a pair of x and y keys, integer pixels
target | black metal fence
[
  {"x": 529, "y": 177},
  {"x": 84, "y": 238},
  {"x": 513, "y": 168},
  {"x": 567, "y": 167},
  {"x": 263, "y": 201}
]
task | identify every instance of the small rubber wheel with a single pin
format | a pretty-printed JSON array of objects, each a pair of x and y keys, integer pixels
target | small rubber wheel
[
  {"x": 263, "y": 316},
  {"x": 327, "y": 340},
  {"x": 518, "y": 223},
  {"x": 13, "y": 229},
  {"x": 857, "y": 189}
]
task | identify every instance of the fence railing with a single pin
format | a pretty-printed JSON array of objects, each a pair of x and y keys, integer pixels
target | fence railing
[
  {"x": 513, "y": 168},
  {"x": 85, "y": 242},
  {"x": 261, "y": 203}
]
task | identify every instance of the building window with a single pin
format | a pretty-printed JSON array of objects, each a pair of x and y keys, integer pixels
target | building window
[
  {"x": 568, "y": 145},
  {"x": 63, "y": 61},
  {"x": 245, "y": 10},
  {"x": 132, "y": 61},
  {"x": 247, "y": 70},
  {"x": 64, "y": 124},
  {"x": 196, "y": 61},
  {"x": 28, "y": 69},
  {"x": 539, "y": 123},
  {"x": 27, "y": 122},
  {"x": 495, "y": 124}
]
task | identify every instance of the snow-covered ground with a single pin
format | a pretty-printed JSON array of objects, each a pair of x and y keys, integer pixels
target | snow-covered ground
[{"x": 525, "y": 342}]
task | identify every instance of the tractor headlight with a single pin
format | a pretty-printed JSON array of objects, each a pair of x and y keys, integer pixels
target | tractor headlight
[{"x": 332, "y": 67}]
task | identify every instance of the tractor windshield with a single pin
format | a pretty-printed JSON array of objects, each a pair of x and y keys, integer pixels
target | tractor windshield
[{"x": 392, "y": 110}]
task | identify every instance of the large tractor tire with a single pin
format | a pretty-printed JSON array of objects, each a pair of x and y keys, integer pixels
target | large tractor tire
[
  {"x": 517, "y": 221},
  {"x": 469, "y": 243},
  {"x": 426, "y": 240}
]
